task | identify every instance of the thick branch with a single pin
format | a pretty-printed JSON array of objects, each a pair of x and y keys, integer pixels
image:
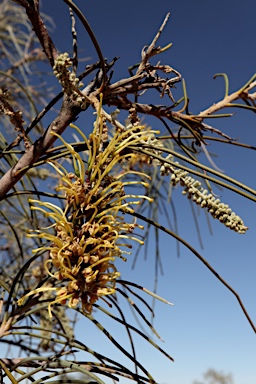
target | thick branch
[
  {"x": 68, "y": 112},
  {"x": 226, "y": 102},
  {"x": 40, "y": 30}
]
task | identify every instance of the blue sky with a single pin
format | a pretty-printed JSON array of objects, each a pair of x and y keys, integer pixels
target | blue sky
[{"x": 206, "y": 327}]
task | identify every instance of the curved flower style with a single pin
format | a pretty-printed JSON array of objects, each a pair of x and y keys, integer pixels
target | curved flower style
[{"x": 89, "y": 229}]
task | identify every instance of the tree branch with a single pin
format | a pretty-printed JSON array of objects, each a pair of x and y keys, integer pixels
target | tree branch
[
  {"x": 69, "y": 110},
  {"x": 32, "y": 10}
]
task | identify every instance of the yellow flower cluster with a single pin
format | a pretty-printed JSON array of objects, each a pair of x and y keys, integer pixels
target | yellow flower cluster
[{"x": 91, "y": 230}]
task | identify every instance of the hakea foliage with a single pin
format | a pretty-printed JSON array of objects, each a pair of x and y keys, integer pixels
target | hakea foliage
[
  {"x": 91, "y": 231},
  {"x": 193, "y": 190}
]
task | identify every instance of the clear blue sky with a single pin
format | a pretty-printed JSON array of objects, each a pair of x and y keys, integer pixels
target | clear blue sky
[{"x": 206, "y": 327}]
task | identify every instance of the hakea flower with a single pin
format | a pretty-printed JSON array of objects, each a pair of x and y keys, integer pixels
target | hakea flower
[
  {"x": 91, "y": 231},
  {"x": 202, "y": 197}
]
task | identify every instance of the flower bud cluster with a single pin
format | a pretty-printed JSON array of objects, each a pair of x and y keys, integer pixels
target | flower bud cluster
[
  {"x": 150, "y": 139},
  {"x": 70, "y": 83},
  {"x": 202, "y": 197}
]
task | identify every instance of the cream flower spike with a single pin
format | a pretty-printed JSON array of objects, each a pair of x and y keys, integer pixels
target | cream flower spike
[{"x": 193, "y": 190}]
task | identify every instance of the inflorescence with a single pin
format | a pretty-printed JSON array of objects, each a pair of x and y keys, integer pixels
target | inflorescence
[
  {"x": 193, "y": 190},
  {"x": 70, "y": 83},
  {"x": 90, "y": 232}
]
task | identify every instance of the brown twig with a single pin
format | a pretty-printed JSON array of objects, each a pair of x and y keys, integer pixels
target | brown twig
[
  {"x": 151, "y": 50},
  {"x": 93, "y": 39},
  {"x": 226, "y": 102},
  {"x": 74, "y": 37}
]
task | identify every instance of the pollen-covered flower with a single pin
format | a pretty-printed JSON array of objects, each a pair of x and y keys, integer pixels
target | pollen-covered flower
[{"x": 91, "y": 231}]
